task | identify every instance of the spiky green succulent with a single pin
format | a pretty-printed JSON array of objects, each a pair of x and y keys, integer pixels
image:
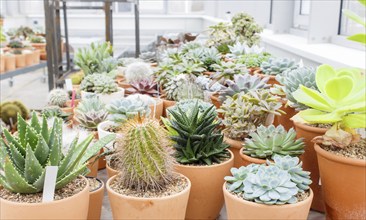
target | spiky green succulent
[
  {"x": 98, "y": 83},
  {"x": 190, "y": 67},
  {"x": 276, "y": 66},
  {"x": 24, "y": 157},
  {"x": 189, "y": 46},
  {"x": 9, "y": 111},
  {"x": 145, "y": 160},
  {"x": 121, "y": 110},
  {"x": 58, "y": 97},
  {"x": 196, "y": 139},
  {"x": 90, "y": 112},
  {"x": 253, "y": 60},
  {"x": 227, "y": 70},
  {"x": 244, "y": 112},
  {"x": 188, "y": 104},
  {"x": 246, "y": 29},
  {"x": 292, "y": 80},
  {"x": 268, "y": 141},
  {"x": 293, "y": 166},
  {"x": 243, "y": 83},
  {"x": 54, "y": 111}
]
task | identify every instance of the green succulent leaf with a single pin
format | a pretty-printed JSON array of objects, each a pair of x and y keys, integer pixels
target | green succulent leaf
[
  {"x": 15, "y": 180},
  {"x": 355, "y": 121},
  {"x": 360, "y": 38},
  {"x": 32, "y": 169},
  {"x": 339, "y": 88}
]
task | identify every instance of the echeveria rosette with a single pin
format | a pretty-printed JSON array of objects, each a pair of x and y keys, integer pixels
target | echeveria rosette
[
  {"x": 341, "y": 102},
  {"x": 235, "y": 183}
]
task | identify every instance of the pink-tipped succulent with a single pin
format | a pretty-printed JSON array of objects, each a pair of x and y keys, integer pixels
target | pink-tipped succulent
[{"x": 145, "y": 87}]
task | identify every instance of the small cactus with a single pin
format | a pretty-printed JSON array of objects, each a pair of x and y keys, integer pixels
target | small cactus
[
  {"x": 145, "y": 160},
  {"x": 10, "y": 109},
  {"x": 58, "y": 97},
  {"x": 138, "y": 71}
]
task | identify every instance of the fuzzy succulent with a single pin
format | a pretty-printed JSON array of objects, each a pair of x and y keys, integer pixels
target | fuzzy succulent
[
  {"x": 253, "y": 60},
  {"x": 145, "y": 159},
  {"x": 98, "y": 83},
  {"x": 246, "y": 29},
  {"x": 244, "y": 112},
  {"x": 90, "y": 112},
  {"x": 292, "y": 80},
  {"x": 196, "y": 139},
  {"x": 227, "y": 70},
  {"x": 268, "y": 141},
  {"x": 121, "y": 110},
  {"x": 58, "y": 97},
  {"x": 25, "y": 156},
  {"x": 125, "y": 61},
  {"x": 293, "y": 166},
  {"x": 149, "y": 57},
  {"x": 89, "y": 59},
  {"x": 146, "y": 87},
  {"x": 138, "y": 71},
  {"x": 9, "y": 111},
  {"x": 243, "y": 83},
  {"x": 277, "y": 66},
  {"x": 55, "y": 112}
]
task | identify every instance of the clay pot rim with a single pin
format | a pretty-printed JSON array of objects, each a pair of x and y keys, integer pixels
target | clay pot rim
[
  {"x": 339, "y": 159},
  {"x": 209, "y": 166},
  {"x": 285, "y": 206},
  {"x": 169, "y": 101},
  {"x": 310, "y": 128},
  {"x": 86, "y": 188},
  {"x": 134, "y": 198},
  {"x": 101, "y": 185},
  {"x": 233, "y": 140},
  {"x": 244, "y": 156}
]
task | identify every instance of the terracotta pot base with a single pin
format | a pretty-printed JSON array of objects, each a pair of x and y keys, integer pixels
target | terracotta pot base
[
  {"x": 247, "y": 160},
  {"x": 235, "y": 147}
]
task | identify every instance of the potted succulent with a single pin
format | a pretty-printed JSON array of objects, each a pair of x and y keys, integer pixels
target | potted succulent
[
  {"x": 290, "y": 82},
  {"x": 340, "y": 102},
  {"x": 59, "y": 97},
  {"x": 243, "y": 113},
  {"x": 19, "y": 58},
  {"x": 29, "y": 57},
  {"x": 9, "y": 61},
  {"x": 278, "y": 190},
  {"x": 146, "y": 186},
  {"x": 96, "y": 195},
  {"x": 202, "y": 156},
  {"x": 267, "y": 141},
  {"x": 276, "y": 66},
  {"x": 23, "y": 172},
  {"x": 246, "y": 29},
  {"x": 102, "y": 86},
  {"x": 208, "y": 86},
  {"x": 9, "y": 111},
  {"x": 253, "y": 61},
  {"x": 136, "y": 72}
]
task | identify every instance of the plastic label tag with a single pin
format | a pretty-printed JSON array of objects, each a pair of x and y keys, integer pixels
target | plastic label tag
[
  {"x": 68, "y": 84},
  {"x": 49, "y": 183},
  {"x": 320, "y": 182}
]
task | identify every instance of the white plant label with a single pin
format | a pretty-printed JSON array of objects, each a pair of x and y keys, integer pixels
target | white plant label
[
  {"x": 49, "y": 183},
  {"x": 301, "y": 63},
  {"x": 68, "y": 84},
  {"x": 320, "y": 182}
]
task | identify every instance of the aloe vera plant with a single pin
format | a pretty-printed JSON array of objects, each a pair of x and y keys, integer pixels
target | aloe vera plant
[
  {"x": 340, "y": 101},
  {"x": 23, "y": 158}
]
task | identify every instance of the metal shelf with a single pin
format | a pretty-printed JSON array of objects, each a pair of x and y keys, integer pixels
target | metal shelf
[{"x": 21, "y": 71}]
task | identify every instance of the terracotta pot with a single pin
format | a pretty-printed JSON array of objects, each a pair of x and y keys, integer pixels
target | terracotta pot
[
  {"x": 29, "y": 59},
  {"x": 310, "y": 162},
  {"x": 206, "y": 198},
  {"x": 93, "y": 167},
  {"x": 2, "y": 63},
  {"x": 250, "y": 160},
  {"x": 110, "y": 171},
  {"x": 343, "y": 182},
  {"x": 95, "y": 202},
  {"x": 120, "y": 78},
  {"x": 10, "y": 63},
  {"x": 208, "y": 73},
  {"x": 102, "y": 163},
  {"x": 235, "y": 147},
  {"x": 40, "y": 46},
  {"x": 20, "y": 60},
  {"x": 123, "y": 84},
  {"x": 129, "y": 207},
  {"x": 36, "y": 56},
  {"x": 43, "y": 56},
  {"x": 167, "y": 104},
  {"x": 285, "y": 119},
  {"x": 254, "y": 70},
  {"x": 159, "y": 108},
  {"x": 68, "y": 110},
  {"x": 74, "y": 207},
  {"x": 272, "y": 79},
  {"x": 76, "y": 102},
  {"x": 215, "y": 100},
  {"x": 238, "y": 208}
]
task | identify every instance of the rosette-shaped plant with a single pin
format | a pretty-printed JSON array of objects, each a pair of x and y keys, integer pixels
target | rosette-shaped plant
[
  {"x": 253, "y": 60},
  {"x": 243, "y": 83},
  {"x": 207, "y": 84},
  {"x": 171, "y": 88},
  {"x": 209, "y": 57},
  {"x": 188, "y": 104},
  {"x": 138, "y": 71},
  {"x": 121, "y": 110},
  {"x": 276, "y": 66},
  {"x": 293, "y": 166},
  {"x": 340, "y": 101},
  {"x": 235, "y": 183},
  {"x": 268, "y": 141},
  {"x": 24, "y": 156},
  {"x": 227, "y": 70},
  {"x": 246, "y": 29},
  {"x": 270, "y": 185},
  {"x": 58, "y": 97},
  {"x": 292, "y": 80},
  {"x": 90, "y": 112},
  {"x": 189, "y": 90},
  {"x": 244, "y": 112},
  {"x": 98, "y": 83},
  {"x": 196, "y": 139},
  {"x": 146, "y": 87},
  {"x": 191, "y": 67},
  {"x": 239, "y": 49},
  {"x": 55, "y": 112}
]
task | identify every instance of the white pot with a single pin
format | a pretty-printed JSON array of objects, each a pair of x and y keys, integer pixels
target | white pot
[
  {"x": 102, "y": 132},
  {"x": 105, "y": 98}
]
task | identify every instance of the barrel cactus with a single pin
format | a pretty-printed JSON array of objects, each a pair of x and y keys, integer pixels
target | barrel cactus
[
  {"x": 10, "y": 109},
  {"x": 98, "y": 83},
  {"x": 58, "y": 97},
  {"x": 24, "y": 157},
  {"x": 90, "y": 112},
  {"x": 145, "y": 160},
  {"x": 268, "y": 141},
  {"x": 276, "y": 66},
  {"x": 121, "y": 110}
]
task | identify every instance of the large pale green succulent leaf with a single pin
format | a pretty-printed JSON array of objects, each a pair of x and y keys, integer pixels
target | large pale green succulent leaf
[
  {"x": 71, "y": 176},
  {"x": 67, "y": 159},
  {"x": 311, "y": 98},
  {"x": 338, "y": 88},
  {"x": 353, "y": 16},
  {"x": 33, "y": 169},
  {"x": 15, "y": 180},
  {"x": 355, "y": 121},
  {"x": 316, "y": 116},
  {"x": 323, "y": 74},
  {"x": 44, "y": 131},
  {"x": 39, "y": 183},
  {"x": 360, "y": 38},
  {"x": 55, "y": 142},
  {"x": 96, "y": 147},
  {"x": 4, "y": 183}
]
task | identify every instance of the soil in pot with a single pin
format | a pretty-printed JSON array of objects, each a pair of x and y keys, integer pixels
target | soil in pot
[
  {"x": 249, "y": 160},
  {"x": 170, "y": 203},
  {"x": 96, "y": 198},
  {"x": 343, "y": 180},
  {"x": 74, "y": 198},
  {"x": 235, "y": 147},
  {"x": 206, "y": 198},
  {"x": 238, "y": 208},
  {"x": 310, "y": 162}
]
